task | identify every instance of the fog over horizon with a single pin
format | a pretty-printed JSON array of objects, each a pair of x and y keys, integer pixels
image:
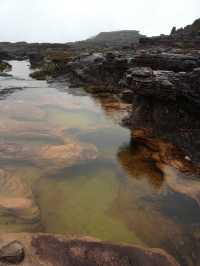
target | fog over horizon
[{"x": 64, "y": 21}]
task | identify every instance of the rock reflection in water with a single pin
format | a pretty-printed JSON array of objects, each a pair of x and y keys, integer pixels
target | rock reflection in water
[
  {"x": 136, "y": 160},
  {"x": 51, "y": 180},
  {"x": 160, "y": 216},
  {"x": 113, "y": 107}
]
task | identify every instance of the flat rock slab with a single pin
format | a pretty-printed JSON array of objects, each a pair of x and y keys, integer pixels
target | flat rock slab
[{"x": 55, "y": 250}]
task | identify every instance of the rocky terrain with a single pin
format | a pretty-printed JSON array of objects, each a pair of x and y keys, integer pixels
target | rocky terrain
[
  {"x": 55, "y": 250},
  {"x": 162, "y": 82},
  {"x": 184, "y": 38},
  {"x": 162, "y": 86},
  {"x": 117, "y": 38},
  {"x": 159, "y": 80}
]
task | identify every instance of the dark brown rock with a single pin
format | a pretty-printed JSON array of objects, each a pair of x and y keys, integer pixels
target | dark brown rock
[
  {"x": 91, "y": 253},
  {"x": 63, "y": 250},
  {"x": 167, "y": 61},
  {"x": 168, "y": 104},
  {"x": 98, "y": 70},
  {"x": 187, "y": 37},
  {"x": 12, "y": 253}
]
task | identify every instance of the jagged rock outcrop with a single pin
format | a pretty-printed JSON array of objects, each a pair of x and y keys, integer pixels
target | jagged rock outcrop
[
  {"x": 168, "y": 104},
  {"x": 99, "y": 73},
  {"x": 167, "y": 61},
  {"x": 188, "y": 37},
  {"x": 100, "y": 70},
  {"x": 51, "y": 64}
]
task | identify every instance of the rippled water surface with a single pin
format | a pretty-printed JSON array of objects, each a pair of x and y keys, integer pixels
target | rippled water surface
[{"x": 67, "y": 166}]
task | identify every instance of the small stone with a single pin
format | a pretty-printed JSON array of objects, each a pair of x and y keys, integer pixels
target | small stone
[
  {"x": 12, "y": 253},
  {"x": 188, "y": 158}
]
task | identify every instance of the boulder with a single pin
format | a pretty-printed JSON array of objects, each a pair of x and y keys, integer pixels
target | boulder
[{"x": 12, "y": 253}]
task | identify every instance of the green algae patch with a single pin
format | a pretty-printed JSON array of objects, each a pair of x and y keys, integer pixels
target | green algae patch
[{"x": 81, "y": 205}]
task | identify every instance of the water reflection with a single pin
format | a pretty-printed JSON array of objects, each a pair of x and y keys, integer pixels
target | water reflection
[
  {"x": 113, "y": 107},
  {"x": 51, "y": 182},
  {"x": 160, "y": 215},
  {"x": 137, "y": 161}
]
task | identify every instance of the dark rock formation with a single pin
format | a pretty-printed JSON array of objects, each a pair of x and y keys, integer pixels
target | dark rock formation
[
  {"x": 188, "y": 37},
  {"x": 12, "y": 253},
  {"x": 22, "y": 50},
  {"x": 77, "y": 252},
  {"x": 99, "y": 73},
  {"x": 4, "y": 55},
  {"x": 100, "y": 70},
  {"x": 52, "y": 64},
  {"x": 36, "y": 59},
  {"x": 67, "y": 251},
  {"x": 168, "y": 104},
  {"x": 167, "y": 61},
  {"x": 4, "y": 66},
  {"x": 116, "y": 38}
]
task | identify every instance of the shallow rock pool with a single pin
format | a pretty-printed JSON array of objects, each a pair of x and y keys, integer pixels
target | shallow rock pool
[{"x": 67, "y": 166}]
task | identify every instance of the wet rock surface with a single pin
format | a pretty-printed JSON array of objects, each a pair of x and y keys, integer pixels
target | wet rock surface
[
  {"x": 12, "y": 253},
  {"x": 167, "y": 103},
  {"x": 152, "y": 161},
  {"x": 167, "y": 61},
  {"x": 160, "y": 79},
  {"x": 98, "y": 72},
  {"x": 62, "y": 250}
]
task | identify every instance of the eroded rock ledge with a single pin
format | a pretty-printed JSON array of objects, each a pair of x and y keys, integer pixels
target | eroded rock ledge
[
  {"x": 167, "y": 104},
  {"x": 56, "y": 250}
]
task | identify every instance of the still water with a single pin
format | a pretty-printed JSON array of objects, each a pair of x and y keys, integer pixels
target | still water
[{"x": 67, "y": 166}]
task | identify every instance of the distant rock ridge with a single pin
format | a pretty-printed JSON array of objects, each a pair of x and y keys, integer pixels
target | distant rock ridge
[
  {"x": 187, "y": 37},
  {"x": 123, "y": 37}
]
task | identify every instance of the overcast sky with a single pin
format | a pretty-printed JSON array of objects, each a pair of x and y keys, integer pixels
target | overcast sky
[{"x": 70, "y": 20}]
